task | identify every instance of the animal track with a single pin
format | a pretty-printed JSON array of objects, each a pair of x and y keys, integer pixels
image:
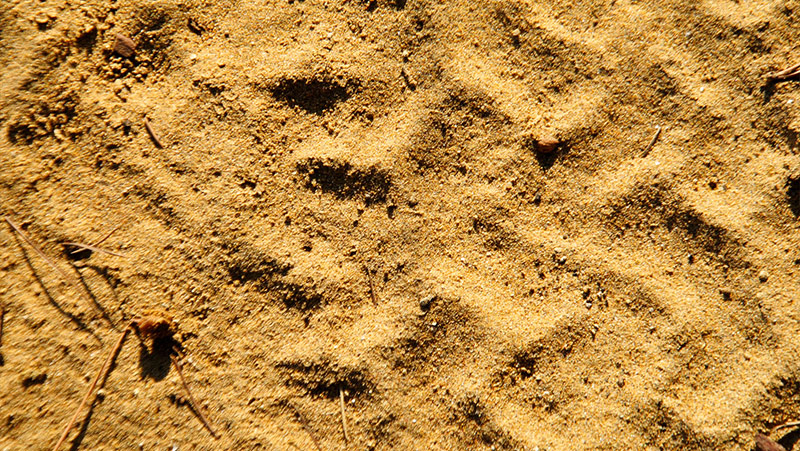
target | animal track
[
  {"x": 476, "y": 427},
  {"x": 344, "y": 180},
  {"x": 322, "y": 377},
  {"x": 271, "y": 277},
  {"x": 659, "y": 205},
  {"x": 315, "y": 95}
]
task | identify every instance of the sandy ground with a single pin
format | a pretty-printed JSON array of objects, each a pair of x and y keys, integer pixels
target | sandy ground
[{"x": 349, "y": 202}]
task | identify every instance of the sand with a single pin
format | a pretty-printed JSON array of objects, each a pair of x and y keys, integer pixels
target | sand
[{"x": 350, "y": 202}]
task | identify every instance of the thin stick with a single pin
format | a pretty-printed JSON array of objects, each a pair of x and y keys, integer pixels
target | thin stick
[
  {"x": 372, "y": 293},
  {"x": 67, "y": 278},
  {"x": 101, "y": 240},
  {"x": 652, "y": 141},
  {"x": 344, "y": 419},
  {"x": 100, "y": 375},
  {"x": 785, "y": 425},
  {"x": 92, "y": 248},
  {"x": 36, "y": 248},
  {"x": 108, "y": 235},
  {"x": 783, "y": 75},
  {"x": 2, "y": 316},
  {"x": 152, "y": 133},
  {"x": 192, "y": 401},
  {"x": 306, "y": 427}
]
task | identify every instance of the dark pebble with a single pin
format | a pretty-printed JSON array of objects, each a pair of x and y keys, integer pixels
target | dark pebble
[{"x": 425, "y": 303}]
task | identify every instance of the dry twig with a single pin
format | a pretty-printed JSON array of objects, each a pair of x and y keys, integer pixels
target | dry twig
[
  {"x": 97, "y": 244},
  {"x": 195, "y": 406},
  {"x": 2, "y": 317},
  {"x": 82, "y": 246},
  {"x": 306, "y": 427},
  {"x": 372, "y": 294},
  {"x": 344, "y": 419},
  {"x": 652, "y": 141},
  {"x": 37, "y": 249},
  {"x": 784, "y": 75},
  {"x": 152, "y": 134},
  {"x": 101, "y": 375},
  {"x": 70, "y": 280}
]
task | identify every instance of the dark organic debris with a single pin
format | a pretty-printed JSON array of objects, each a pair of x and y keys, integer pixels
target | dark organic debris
[{"x": 764, "y": 443}]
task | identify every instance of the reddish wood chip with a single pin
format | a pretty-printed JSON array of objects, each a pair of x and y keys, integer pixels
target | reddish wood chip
[
  {"x": 124, "y": 46},
  {"x": 764, "y": 443}
]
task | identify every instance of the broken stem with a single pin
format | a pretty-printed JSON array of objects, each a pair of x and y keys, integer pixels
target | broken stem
[
  {"x": 344, "y": 419},
  {"x": 100, "y": 376},
  {"x": 783, "y": 75},
  {"x": 2, "y": 317},
  {"x": 372, "y": 294},
  {"x": 82, "y": 246},
  {"x": 192, "y": 401},
  {"x": 652, "y": 141},
  {"x": 70, "y": 280},
  {"x": 37, "y": 249},
  {"x": 152, "y": 134},
  {"x": 306, "y": 427},
  {"x": 786, "y": 425}
]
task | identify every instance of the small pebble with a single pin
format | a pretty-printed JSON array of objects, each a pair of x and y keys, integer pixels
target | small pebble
[
  {"x": 546, "y": 144},
  {"x": 425, "y": 303},
  {"x": 41, "y": 19},
  {"x": 124, "y": 46},
  {"x": 763, "y": 275}
]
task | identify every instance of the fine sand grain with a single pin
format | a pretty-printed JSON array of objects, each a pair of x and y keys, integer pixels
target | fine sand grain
[{"x": 413, "y": 224}]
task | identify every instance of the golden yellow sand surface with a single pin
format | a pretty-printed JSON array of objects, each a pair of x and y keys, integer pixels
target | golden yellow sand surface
[{"x": 349, "y": 204}]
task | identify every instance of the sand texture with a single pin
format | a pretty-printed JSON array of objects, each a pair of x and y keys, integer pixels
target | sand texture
[{"x": 347, "y": 200}]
